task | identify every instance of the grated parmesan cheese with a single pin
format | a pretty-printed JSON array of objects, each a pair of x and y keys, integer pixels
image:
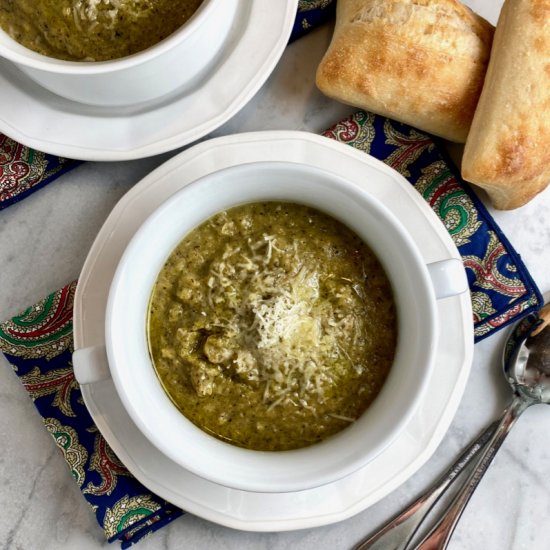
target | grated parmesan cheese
[
  {"x": 89, "y": 12},
  {"x": 291, "y": 339}
]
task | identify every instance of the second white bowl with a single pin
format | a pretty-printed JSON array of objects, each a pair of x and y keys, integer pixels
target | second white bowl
[{"x": 177, "y": 61}]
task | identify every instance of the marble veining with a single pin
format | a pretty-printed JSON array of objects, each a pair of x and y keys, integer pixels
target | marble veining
[{"x": 43, "y": 243}]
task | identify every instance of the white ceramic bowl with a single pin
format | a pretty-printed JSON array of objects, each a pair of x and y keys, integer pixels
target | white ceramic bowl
[
  {"x": 413, "y": 283},
  {"x": 176, "y": 62}
]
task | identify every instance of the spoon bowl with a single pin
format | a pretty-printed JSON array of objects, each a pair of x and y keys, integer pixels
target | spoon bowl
[{"x": 526, "y": 360}]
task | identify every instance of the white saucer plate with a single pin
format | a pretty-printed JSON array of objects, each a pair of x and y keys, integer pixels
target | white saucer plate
[
  {"x": 280, "y": 511},
  {"x": 40, "y": 119}
]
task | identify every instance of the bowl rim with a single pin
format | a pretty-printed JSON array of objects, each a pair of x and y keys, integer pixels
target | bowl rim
[
  {"x": 17, "y": 53},
  {"x": 268, "y": 485}
]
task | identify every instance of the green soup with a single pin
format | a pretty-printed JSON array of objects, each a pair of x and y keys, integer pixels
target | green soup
[
  {"x": 272, "y": 326},
  {"x": 93, "y": 30}
]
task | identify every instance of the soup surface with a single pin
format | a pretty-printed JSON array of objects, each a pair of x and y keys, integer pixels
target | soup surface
[
  {"x": 272, "y": 326},
  {"x": 93, "y": 30}
]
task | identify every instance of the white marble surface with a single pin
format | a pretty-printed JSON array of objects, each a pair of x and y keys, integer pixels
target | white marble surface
[{"x": 43, "y": 244}]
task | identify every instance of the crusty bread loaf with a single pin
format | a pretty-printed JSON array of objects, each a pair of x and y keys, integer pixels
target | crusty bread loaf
[
  {"x": 508, "y": 149},
  {"x": 418, "y": 61}
]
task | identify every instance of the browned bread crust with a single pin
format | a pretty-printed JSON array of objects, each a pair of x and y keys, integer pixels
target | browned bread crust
[
  {"x": 508, "y": 149},
  {"x": 418, "y": 61}
]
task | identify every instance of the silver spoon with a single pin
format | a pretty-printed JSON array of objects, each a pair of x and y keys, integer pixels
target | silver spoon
[{"x": 526, "y": 364}]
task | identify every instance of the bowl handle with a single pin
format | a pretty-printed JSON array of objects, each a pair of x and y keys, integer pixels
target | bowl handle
[
  {"x": 448, "y": 278},
  {"x": 90, "y": 365}
]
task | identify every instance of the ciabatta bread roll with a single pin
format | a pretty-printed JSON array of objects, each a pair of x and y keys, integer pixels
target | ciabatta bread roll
[
  {"x": 417, "y": 61},
  {"x": 508, "y": 149}
]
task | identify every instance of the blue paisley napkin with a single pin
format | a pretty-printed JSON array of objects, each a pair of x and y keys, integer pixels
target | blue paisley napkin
[
  {"x": 311, "y": 14},
  {"x": 38, "y": 343},
  {"x": 24, "y": 171}
]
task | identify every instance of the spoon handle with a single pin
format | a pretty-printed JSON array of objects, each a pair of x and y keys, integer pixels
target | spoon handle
[
  {"x": 397, "y": 533},
  {"x": 438, "y": 538}
]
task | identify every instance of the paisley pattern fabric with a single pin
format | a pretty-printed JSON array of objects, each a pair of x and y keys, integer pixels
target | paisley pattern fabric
[
  {"x": 108, "y": 466},
  {"x": 39, "y": 344},
  {"x": 57, "y": 382},
  {"x": 24, "y": 170},
  {"x": 311, "y": 14},
  {"x": 127, "y": 512},
  {"x": 74, "y": 453},
  {"x": 42, "y": 330},
  {"x": 500, "y": 286}
]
